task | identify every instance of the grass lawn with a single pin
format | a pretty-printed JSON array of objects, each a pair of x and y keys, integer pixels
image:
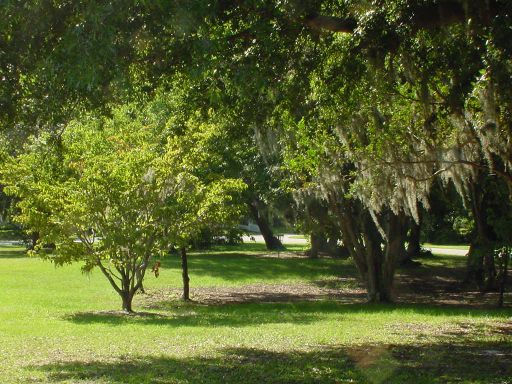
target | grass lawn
[{"x": 58, "y": 325}]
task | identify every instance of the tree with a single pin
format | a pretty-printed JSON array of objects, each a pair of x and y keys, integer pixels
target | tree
[{"x": 108, "y": 194}]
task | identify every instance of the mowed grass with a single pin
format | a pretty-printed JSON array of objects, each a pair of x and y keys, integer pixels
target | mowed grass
[{"x": 58, "y": 325}]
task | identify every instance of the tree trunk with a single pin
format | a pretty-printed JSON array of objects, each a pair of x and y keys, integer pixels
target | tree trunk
[
  {"x": 318, "y": 244},
  {"x": 397, "y": 234},
  {"x": 384, "y": 261},
  {"x": 321, "y": 244},
  {"x": 414, "y": 238},
  {"x": 480, "y": 265},
  {"x": 414, "y": 246},
  {"x": 256, "y": 209},
  {"x": 34, "y": 237},
  {"x": 379, "y": 275},
  {"x": 503, "y": 258},
  {"x": 363, "y": 241},
  {"x": 184, "y": 274},
  {"x": 127, "y": 301}
]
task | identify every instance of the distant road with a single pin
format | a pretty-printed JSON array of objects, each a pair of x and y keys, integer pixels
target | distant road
[
  {"x": 291, "y": 239},
  {"x": 286, "y": 239},
  {"x": 448, "y": 251}
]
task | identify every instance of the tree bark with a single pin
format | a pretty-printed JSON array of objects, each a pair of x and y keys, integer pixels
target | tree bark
[
  {"x": 256, "y": 208},
  {"x": 127, "y": 301},
  {"x": 414, "y": 246},
  {"x": 184, "y": 274},
  {"x": 318, "y": 244},
  {"x": 481, "y": 269},
  {"x": 364, "y": 243},
  {"x": 384, "y": 260},
  {"x": 503, "y": 264},
  {"x": 397, "y": 226},
  {"x": 424, "y": 16},
  {"x": 34, "y": 237}
]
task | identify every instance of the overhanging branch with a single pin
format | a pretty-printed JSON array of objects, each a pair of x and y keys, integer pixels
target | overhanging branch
[
  {"x": 331, "y": 23},
  {"x": 427, "y": 16}
]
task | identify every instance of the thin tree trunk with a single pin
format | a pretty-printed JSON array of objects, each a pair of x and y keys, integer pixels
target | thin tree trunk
[
  {"x": 414, "y": 245},
  {"x": 123, "y": 291},
  {"x": 256, "y": 209},
  {"x": 480, "y": 265},
  {"x": 184, "y": 274},
  {"x": 127, "y": 292},
  {"x": 34, "y": 237},
  {"x": 504, "y": 258}
]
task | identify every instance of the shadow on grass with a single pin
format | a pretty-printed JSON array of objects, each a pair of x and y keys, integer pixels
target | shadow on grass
[
  {"x": 10, "y": 251},
  {"x": 241, "y": 315},
  {"x": 193, "y": 315},
  {"x": 239, "y": 266},
  {"x": 376, "y": 364}
]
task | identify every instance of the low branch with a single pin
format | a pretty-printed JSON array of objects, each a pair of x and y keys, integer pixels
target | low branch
[
  {"x": 505, "y": 175},
  {"x": 331, "y": 23},
  {"x": 426, "y": 16},
  {"x": 438, "y": 15},
  {"x": 107, "y": 275}
]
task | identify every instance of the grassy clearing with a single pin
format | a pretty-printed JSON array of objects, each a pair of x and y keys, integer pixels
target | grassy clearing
[{"x": 60, "y": 326}]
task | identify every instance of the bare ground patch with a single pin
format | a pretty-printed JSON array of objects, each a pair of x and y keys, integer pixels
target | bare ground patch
[
  {"x": 444, "y": 287},
  {"x": 261, "y": 293},
  {"x": 433, "y": 290}
]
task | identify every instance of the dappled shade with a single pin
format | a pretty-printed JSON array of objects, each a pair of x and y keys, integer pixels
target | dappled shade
[{"x": 373, "y": 364}]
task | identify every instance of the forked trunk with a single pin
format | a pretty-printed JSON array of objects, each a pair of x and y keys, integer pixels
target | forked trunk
[
  {"x": 380, "y": 271},
  {"x": 130, "y": 283},
  {"x": 364, "y": 243}
]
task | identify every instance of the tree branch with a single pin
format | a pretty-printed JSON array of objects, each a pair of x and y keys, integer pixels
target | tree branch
[
  {"x": 427, "y": 16},
  {"x": 331, "y": 23},
  {"x": 105, "y": 272}
]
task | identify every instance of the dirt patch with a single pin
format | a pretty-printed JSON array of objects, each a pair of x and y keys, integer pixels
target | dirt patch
[
  {"x": 432, "y": 285},
  {"x": 444, "y": 287},
  {"x": 283, "y": 255},
  {"x": 260, "y": 293},
  {"x": 434, "y": 291}
]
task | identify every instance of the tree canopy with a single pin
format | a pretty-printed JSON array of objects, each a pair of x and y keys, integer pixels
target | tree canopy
[{"x": 362, "y": 104}]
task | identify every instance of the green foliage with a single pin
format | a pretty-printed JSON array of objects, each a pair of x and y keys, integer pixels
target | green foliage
[
  {"x": 108, "y": 194},
  {"x": 464, "y": 226}
]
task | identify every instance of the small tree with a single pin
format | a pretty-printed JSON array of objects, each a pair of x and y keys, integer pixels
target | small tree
[{"x": 106, "y": 193}]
